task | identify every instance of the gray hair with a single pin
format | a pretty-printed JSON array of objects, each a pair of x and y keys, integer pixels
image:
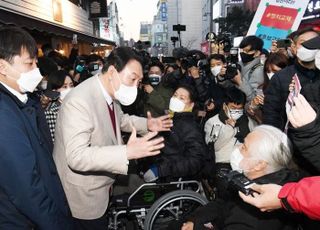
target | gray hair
[{"x": 274, "y": 147}]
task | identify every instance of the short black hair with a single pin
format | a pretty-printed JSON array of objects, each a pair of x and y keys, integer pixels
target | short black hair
[
  {"x": 56, "y": 79},
  {"x": 120, "y": 57},
  {"x": 191, "y": 90},
  {"x": 158, "y": 64},
  {"x": 303, "y": 31},
  {"x": 219, "y": 57},
  {"x": 46, "y": 66},
  {"x": 253, "y": 41},
  {"x": 235, "y": 95},
  {"x": 95, "y": 58},
  {"x": 13, "y": 39}
]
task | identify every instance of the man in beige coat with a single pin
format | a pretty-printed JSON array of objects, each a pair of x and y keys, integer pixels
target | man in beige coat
[{"x": 88, "y": 148}]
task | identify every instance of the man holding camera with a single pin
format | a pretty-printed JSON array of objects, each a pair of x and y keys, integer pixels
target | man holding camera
[{"x": 251, "y": 74}]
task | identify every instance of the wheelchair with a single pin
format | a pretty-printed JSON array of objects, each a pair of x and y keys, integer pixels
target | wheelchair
[{"x": 153, "y": 206}]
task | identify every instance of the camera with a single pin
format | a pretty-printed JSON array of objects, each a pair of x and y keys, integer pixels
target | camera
[
  {"x": 284, "y": 43},
  {"x": 237, "y": 181},
  {"x": 232, "y": 64},
  {"x": 93, "y": 67}
]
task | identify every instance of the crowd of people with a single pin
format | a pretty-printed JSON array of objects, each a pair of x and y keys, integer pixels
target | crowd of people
[{"x": 78, "y": 130}]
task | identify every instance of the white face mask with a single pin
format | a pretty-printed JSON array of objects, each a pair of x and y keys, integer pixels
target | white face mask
[
  {"x": 235, "y": 160},
  {"x": 29, "y": 81},
  {"x": 176, "y": 105},
  {"x": 216, "y": 70},
  {"x": 305, "y": 54},
  {"x": 126, "y": 95},
  {"x": 317, "y": 60},
  {"x": 97, "y": 71},
  {"x": 270, "y": 75},
  {"x": 235, "y": 114},
  {"x": 64, "y": 93}
]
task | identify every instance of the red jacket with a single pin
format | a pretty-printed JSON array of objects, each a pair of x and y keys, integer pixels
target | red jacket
[{"x": 302, "y": 197}]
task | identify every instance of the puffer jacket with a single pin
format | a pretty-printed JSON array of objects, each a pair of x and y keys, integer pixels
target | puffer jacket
[{"x": 185, "y": 152}]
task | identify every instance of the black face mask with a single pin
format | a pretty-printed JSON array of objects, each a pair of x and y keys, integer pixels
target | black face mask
[{"x": 246, "y": 58}]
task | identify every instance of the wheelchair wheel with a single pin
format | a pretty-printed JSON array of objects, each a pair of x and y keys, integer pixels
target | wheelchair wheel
[{"x": 172, "y": 206}]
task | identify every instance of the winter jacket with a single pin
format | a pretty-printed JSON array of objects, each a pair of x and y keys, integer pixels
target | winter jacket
[
  {"x": 208, "y": 88},
  {"x": 226, "y": 137},
  {"x": 306, "y": 143},
  {"x": 276, "y": 94},
  {"x": 31, "y": 194},
  {"x": 234, "y": 214},
  {"x": 185, "y": 151},
  {"x": 302, "y": 197},
  {"x": 158, "y": 100},
  {"x": 252, "y": 77}
]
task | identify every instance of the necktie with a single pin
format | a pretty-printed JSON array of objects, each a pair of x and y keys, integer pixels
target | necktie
[{"x": 113, "y": 118}]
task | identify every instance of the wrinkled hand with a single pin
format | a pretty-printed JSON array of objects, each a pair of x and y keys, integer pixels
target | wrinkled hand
[
  {"x": 163, "y": 123},
  {"x": 223, "y": 71},
  {"x": 267, "y": 200},
  {"x": 301, "y": 113},
  {"x": 231, "y": 122},
  {"x": 139, "y": 147},
  {"x": 258, "y": 100},
  {"x": 148, "y": 88},
  {"x": 187, "y": 226}
]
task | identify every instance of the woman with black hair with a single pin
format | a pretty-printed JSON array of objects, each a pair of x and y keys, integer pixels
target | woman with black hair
[
  {"x": 185, "y": 151},
  {"x": 61, "y": 82}
]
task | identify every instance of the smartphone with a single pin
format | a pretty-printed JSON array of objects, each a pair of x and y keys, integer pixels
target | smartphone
[
  {"x": 284, "y": 43},
  {"x": 54, "y": 95}
]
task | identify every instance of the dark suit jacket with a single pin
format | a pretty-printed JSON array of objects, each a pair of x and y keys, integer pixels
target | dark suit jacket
[{"x": 31, "y": 194}]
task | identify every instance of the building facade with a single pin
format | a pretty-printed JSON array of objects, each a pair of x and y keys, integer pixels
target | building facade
[
  {"x": 189, "y": 13},
  {"x": 60, "y": 23},
  {"x": 159, "y": 30},
  {"x": 109, "y": 26},
  {"x": 145, "y": 32}
]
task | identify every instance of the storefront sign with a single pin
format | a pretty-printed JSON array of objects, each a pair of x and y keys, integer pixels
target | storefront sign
[
  {"x": 313, "y": 8},
  {"x": 98, "y": 9}
]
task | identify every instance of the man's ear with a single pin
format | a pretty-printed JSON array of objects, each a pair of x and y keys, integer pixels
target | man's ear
[
  {"x": 261, "y": 165},
  {"x": 3, "y": 67},
  {"x": 111, "y": 69},
  {"x": 257, "y": 53}
]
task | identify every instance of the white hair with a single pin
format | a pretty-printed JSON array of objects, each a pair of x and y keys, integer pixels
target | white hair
[{"x": 274, "y": 147}]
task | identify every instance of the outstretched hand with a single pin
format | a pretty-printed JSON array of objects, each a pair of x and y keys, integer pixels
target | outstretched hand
[
  {"x": 301, "y": 113},
  {"x": 266, "y": 199},
  {"x": 140, "y": 147},
  {"x": 163, "y": 123}
]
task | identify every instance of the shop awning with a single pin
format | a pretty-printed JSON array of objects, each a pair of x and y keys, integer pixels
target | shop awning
[{"x": 8, "y": 17}]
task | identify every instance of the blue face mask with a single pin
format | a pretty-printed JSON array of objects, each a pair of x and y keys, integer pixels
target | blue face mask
[
  {"x": 79, "y": 68},
  {"x": 154, "y": 79}
]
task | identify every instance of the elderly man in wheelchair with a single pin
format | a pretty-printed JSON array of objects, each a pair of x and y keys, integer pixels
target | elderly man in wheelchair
[{"x": 177, "y": 170}]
